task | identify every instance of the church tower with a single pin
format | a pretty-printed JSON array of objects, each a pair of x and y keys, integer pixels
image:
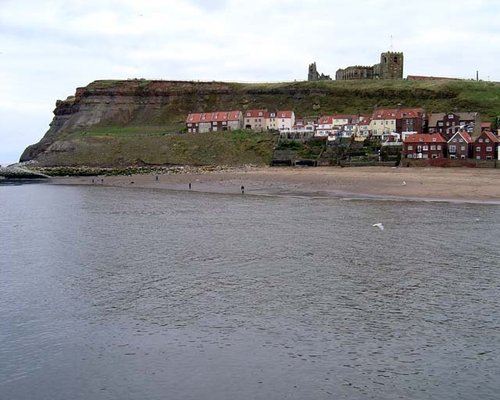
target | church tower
[{"x": 391, "y": 65}]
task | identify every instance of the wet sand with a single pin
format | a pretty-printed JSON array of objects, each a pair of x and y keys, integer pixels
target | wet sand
[{"x": 431, "y": 184}]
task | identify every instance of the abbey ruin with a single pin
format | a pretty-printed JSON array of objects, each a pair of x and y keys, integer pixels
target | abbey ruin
[
  {"x": 390, "y": 67},
  {"x": 314, "y": 75}
]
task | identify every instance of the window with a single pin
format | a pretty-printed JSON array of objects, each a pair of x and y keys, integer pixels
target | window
[
  {"x": 425, "y": 147},
  {"x": 486, "y": 140},
  {"x": 410, "y": 147},
  {"x": 454, "y": 140},
  {"x": 480, "y": 140},
  {"x": 461, "y": 140},
  {"x": 489, "y": 148},
  {"x": 433, "y": 147},
  {"x": 452, "y": 148},
  {"x": 439, "y": 147},
  {"x": 478, "y": 148},
  {"x": 462, "y": 148}
]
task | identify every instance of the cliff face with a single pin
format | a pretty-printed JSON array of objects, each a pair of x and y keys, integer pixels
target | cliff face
[
  {"x": 114, "y": 104},
  {"x": 111, "y": 123}
]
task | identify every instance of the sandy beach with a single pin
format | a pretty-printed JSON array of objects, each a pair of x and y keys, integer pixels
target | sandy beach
[{"x": 430, "y": 184}]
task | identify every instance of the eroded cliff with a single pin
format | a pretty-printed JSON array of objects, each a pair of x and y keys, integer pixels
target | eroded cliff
[{"x": 126, "y": 122}]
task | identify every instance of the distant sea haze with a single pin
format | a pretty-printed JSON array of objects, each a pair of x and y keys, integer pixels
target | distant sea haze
[{"x": 129, "y": 293}]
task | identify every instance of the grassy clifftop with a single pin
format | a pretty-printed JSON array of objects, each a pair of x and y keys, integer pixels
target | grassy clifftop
[{"x": 119, "y": 122}]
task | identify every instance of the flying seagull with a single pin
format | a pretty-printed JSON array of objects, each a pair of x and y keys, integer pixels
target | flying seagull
[{"x": 379, "y": 225}]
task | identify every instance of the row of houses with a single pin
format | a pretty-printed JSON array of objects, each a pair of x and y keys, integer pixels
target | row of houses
[
  {"x": 447, "y": 135},
  {"x": 255, "y": 120},
  {"x": 382, "y": 123},
  {"x": 461, "y": 145}
]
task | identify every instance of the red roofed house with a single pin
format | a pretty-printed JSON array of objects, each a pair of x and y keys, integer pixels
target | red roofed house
[
  {"x": 424, "y": 145},
  {"x": 388, "y": 120},
  {"x": 339, "y": 120},
  {"x": 285, "y": 120},
  {"x": 325, "y": 126},
  {"x": 460, "y": 145},
  {"x": 411, "y": 120},
  {"x": 256, "y": 120},
  {"x": 234, "y": 120},
  {"x": 213, "y": 122},
  {"x": 226, "y": 120},
  {"x": 205, "y": 124},
  {"x": 364, "y": 125},
  {"x": 192, "y": 122},
  {"x": 485, "y": 146},
  {"x": 383, "y": 121},
  {"x": 199, "y": 122}
]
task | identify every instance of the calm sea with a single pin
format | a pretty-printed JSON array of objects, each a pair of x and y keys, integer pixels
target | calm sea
[{"x": 110, "y": 293}]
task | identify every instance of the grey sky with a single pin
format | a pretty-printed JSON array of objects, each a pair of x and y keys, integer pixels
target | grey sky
[{"x": 48, "y": 48}]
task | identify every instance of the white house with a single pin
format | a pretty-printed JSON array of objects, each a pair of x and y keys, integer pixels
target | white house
[
  {"x": 271, "y": 122},
  {"x": 364, "y": 126},
  {"x": 383, "y": 121},
  {"x": 325, "y": 126},
  {"x": 339, "y": 120},
  {"x": 285, "y": 120}
]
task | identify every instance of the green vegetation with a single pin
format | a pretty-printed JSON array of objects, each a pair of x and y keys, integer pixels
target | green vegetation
[
  {"x": 121, "y": 131},
  {"x": 216, "y": 148}
]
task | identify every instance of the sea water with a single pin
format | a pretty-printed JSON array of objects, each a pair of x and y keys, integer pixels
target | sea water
[{"x": 113, "y": 293}]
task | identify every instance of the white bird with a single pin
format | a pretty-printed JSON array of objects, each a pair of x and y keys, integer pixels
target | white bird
[
  {"x": 379, "y": 225},
  {"x": 404, "y": 183}
]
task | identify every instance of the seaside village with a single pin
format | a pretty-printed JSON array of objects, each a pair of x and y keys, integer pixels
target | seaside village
[
  {"x": 411, "y": 133},
  {"x": 390, "y": 134}
]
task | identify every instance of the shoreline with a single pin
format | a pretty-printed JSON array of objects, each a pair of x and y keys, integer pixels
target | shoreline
[{"x": 380, "y": 183}]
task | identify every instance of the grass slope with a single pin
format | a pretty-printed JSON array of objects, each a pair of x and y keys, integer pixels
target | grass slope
[{"x": 217, "y": 148}]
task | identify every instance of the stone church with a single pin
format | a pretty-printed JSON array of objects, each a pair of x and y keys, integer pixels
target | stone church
[{"x": 390, "y": 67}]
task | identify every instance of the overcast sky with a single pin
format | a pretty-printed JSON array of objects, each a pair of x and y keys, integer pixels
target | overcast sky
[{"x": 48, "y": 48}]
